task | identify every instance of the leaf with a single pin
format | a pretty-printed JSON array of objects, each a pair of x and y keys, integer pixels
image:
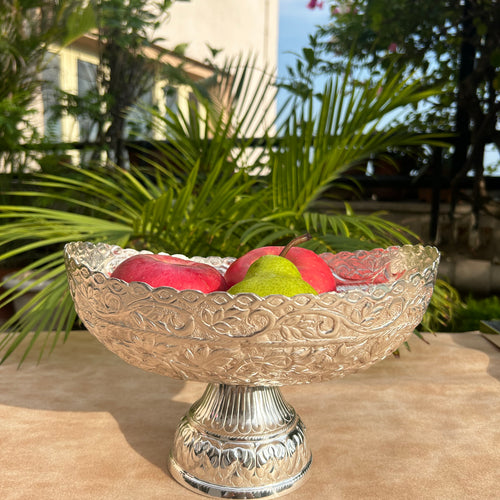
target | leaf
[{"x": 80, "y": 22}]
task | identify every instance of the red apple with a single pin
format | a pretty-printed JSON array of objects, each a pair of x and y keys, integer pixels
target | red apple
[
  {"x": 312, "y": 267},
  {"x": 165, "y": 270}
]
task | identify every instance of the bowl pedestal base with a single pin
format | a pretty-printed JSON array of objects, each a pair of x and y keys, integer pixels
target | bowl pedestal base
[{"x": 240, "y": 442}]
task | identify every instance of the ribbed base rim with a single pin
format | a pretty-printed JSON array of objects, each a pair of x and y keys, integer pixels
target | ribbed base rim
[{"x": 214, "y": 490}]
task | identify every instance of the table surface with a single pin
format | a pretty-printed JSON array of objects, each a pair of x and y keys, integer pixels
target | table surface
[{"x": 83, "y": 424}]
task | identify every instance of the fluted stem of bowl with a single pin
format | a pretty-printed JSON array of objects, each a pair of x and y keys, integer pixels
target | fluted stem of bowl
[{"x": 240, "y": 442}]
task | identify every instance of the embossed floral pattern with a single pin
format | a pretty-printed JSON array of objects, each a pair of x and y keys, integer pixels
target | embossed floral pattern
[{"x": 250, "y": 340}]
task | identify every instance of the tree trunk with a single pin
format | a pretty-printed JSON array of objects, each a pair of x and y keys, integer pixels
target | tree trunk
[
  {"x": 116, "y": 141},
  {"x": 462, "y": 117}
]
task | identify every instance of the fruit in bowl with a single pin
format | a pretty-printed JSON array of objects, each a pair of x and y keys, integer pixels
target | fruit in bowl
[
  {"x": 271, "y": 275},
  {"x": 166, "y": 270},
  {"x": 269, "y": 270},
  {"x": 312, "y": 268}
]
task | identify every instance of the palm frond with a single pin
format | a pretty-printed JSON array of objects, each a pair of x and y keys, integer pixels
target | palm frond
[
  {"x": 363, "y": 228},
  {"x": 223, "y": 119},
  {"x": 351, "y": 126}
]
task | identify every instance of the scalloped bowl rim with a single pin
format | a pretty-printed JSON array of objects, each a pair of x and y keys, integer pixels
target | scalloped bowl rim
[{"x": 342, "y": 291}]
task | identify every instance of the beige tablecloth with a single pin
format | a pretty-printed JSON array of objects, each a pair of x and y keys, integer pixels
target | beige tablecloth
[{"x": 85, "y": 425}]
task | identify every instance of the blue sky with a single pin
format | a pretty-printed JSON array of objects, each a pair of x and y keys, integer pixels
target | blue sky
[{"x": 296, "y": 23}]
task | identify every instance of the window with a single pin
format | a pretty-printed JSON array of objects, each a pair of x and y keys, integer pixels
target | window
[
  {"x": 87, "y": 77},
  {"x": 171, "y": 98},
  {"x": 73, "y": 70},
  {"x": 138, "y": 121},
  {"x": 50, "y": 78}
]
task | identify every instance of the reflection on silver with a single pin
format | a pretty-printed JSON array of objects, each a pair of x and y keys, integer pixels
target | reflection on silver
[{"x": 241, "y": 440}]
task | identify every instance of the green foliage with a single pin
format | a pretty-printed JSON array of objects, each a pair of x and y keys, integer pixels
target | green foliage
[
  {"x": 200, "y": 194},
  {"x": 468, "y": 314},
  {"x": 80, "y": 19},
  {"x": 452, "y": 44},
  {"x": 421, "y": 35},
  {"x": 439, "y": 313},
  {"x": 28, "y": 28}
]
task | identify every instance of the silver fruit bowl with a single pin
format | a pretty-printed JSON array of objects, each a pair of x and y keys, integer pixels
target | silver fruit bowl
[{"x": 242, "y": 439}]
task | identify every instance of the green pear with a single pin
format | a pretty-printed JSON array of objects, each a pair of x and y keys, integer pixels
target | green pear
[{"x": 273, "y": 274}]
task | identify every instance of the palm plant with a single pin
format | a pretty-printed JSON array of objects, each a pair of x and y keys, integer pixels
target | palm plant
[
  {"x": 199, "y": 197},
  {"x": 316, "y": 150}
]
